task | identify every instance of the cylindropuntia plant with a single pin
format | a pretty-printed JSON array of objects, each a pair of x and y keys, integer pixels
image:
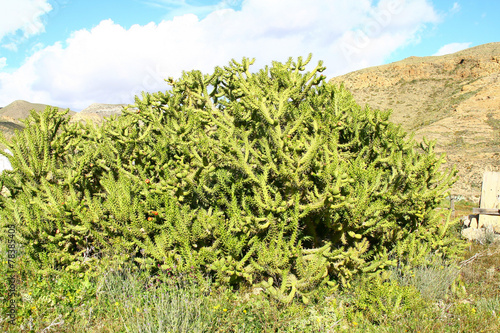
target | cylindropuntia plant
[{"x": 275, "y": 179}]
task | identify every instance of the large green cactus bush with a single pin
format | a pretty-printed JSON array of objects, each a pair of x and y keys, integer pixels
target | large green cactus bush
[{"x": 273, "y": 179}]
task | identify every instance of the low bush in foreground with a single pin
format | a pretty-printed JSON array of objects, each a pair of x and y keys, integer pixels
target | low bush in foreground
[{"x": 126, "y": 300}]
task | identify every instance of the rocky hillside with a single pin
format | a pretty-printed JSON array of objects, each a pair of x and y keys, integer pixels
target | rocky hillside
[{"x": 454, "y": 99}]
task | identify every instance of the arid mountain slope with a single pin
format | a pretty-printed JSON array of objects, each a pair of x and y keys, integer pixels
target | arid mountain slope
[
  {"x": 12, "y": 114},
  {"x": 20, "y": 109},
  {"x": 454, "y": 99}
]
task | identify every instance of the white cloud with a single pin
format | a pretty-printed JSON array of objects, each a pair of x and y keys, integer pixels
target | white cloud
[
  {"x": 24, "y": 16},
  {"x": 180, "y": 7},
  {"x": 10, "y": 46},
  {"x": 451, "y": 48},
  {"x": 455, "y": 9},
  {"x": 3, "y": 62},
  {"x": 110, "y": 64}
]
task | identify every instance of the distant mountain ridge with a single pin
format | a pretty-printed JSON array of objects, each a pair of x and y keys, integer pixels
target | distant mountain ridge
[
  {"x": 21, "y": 109},
  {"x": 12, "y": 114},
  {"x": 96, "y": 112}
]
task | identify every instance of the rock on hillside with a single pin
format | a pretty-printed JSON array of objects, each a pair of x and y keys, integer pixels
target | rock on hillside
[{"x": 454, "y": 99}]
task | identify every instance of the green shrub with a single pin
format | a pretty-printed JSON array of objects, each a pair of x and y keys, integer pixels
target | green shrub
[
  {"x": 380, "y": 301},
  {"x": 272, "y": 179}
]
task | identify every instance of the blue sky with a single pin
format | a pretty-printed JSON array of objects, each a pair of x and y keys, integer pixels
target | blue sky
[{"x": 72, "y": 53}]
